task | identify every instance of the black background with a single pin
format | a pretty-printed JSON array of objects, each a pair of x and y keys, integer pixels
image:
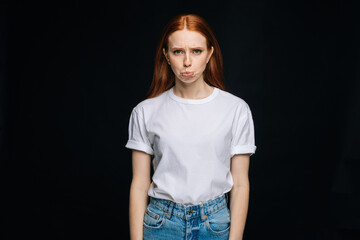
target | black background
[{"x": 71, "y": 74}]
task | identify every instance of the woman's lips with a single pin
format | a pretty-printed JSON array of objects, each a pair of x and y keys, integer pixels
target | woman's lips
[{"x": 187, "y": 74}]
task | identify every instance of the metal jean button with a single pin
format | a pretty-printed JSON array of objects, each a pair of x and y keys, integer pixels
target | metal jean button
[{"x": 190, "y": 211}]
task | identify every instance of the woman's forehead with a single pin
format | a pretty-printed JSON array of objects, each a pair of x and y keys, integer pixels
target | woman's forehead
[{"x": 186, "y": 37}]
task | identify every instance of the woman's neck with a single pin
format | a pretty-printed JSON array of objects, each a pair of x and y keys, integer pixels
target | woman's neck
[{"x": 196, "y": 90}]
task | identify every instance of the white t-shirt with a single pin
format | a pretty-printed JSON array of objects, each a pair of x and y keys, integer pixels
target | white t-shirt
[{"x": 192, "y": 142}]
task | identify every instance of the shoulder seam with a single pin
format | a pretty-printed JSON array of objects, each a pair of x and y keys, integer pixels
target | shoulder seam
[{"x": 137, "y": 113}]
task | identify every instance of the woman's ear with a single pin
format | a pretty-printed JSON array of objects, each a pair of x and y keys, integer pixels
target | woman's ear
[
  {"x": 210, "y": 54},
  {"x": 166, "y": 57}
]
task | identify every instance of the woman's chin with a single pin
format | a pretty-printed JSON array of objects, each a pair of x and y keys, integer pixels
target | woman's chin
[{"x": 189, "y": 79}]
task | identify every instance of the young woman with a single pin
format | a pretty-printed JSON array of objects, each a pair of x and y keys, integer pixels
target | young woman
[{"x": 199, "y": 138}]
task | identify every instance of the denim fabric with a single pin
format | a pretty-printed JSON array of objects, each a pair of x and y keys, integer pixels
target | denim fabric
[{"x": 164, "y": 219}]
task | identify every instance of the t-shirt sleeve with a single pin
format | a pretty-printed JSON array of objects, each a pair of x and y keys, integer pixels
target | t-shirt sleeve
[
  {"x": 243, "y": 135},
  {"x": 138, "y": 137}
]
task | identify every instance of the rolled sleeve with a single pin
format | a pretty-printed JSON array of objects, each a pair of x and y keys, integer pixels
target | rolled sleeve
[
  {"x": 138, "y": 137},
  {"x": 243, "y": 134}
]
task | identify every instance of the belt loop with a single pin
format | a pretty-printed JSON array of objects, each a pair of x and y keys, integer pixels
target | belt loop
[
  {"x": 202, "y": 213},
  {"x": 169, "y": 211}
]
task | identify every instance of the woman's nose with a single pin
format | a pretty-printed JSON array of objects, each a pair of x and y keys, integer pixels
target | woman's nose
[{"x": 187, "y": 61}]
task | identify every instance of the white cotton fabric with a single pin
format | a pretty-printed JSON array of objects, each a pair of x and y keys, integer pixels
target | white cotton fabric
[{"x": 191, "y": 142}]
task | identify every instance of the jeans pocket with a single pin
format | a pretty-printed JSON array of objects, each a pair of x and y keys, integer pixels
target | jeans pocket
[
  {"x": 154, "y": 217},
  {"x": 219, "y": 222}
]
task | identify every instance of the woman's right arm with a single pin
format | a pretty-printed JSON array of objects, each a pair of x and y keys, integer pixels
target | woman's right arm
[{"x": 141, "y": 163}]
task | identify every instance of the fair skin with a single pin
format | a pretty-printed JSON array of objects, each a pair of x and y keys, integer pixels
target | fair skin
[
  {"x": 188, "y": 55},
  {"x": 239, "y": 195},
  {"x": 138, "y": 193}
]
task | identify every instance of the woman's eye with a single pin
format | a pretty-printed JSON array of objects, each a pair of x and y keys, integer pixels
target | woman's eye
[
  {"x": 177, "y": 52},
  {"x": 197, "y": 51}
]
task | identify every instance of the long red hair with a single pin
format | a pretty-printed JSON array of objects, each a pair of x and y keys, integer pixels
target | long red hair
[{"x": 163, "y": 77}]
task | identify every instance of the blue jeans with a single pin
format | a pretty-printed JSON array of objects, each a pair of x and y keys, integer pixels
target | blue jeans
[{"x": 164, "y": 219}]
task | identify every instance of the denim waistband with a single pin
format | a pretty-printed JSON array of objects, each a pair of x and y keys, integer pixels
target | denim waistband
[{"x": 190, "y": 211}]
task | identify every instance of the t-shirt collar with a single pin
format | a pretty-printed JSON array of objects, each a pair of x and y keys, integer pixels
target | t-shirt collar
[{"x": 193, "y": 101}]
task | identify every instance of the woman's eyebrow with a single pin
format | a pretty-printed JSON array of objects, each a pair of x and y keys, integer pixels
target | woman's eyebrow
[{"x": 190, "y": 48}]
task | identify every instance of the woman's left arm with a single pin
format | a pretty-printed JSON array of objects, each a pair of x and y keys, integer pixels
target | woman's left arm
[{"x": 239, "y": 195}]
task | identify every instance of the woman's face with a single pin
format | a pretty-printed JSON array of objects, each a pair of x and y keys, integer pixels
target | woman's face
[{"x": 187, "y": 55}]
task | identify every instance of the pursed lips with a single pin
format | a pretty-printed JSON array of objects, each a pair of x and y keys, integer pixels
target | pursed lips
[{"x": 187, "y": 74}]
